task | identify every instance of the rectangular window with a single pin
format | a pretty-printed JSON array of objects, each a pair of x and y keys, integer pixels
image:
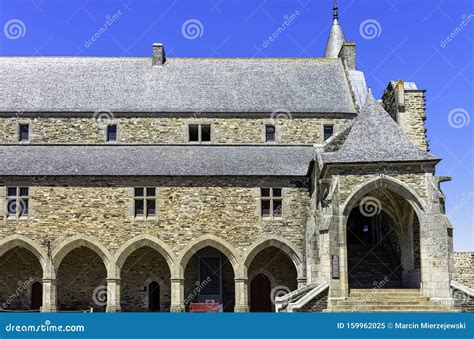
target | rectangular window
[
  {"x": 269, "y": 133},
  {"x": 328, "y": 131},
  {"x": 200, "y": 133},
  {"x": 271, "y": 202},
  {"x": 111, "y": 133},
  {"x": 23, "y": 132},
  {"x": 144, "y": 203},
  {"x": 17, "y": 202}
]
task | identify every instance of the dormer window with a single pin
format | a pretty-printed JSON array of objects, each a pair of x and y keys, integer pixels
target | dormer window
[{"x": 270, "y": 133}]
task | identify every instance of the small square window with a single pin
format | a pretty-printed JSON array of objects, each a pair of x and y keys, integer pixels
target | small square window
[
  {"x": 271, "y": 202},
  {"x": 144, "y": 202},
  {"x": 111, "y": 133},
  {"x": 328, "y": 131},
  {"x": 23, "y": 132},
  {"x": 199, "y": 133},
  {"x": 17, "y": 203},
  {"x": 269, "y": 133}
]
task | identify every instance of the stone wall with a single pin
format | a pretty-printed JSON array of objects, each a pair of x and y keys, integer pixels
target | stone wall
[
  {"x": 19, "y": 269},
  {"x": 187, "y": 208},
  {"x": 81, "y": 282},
  {"x": 167, "y": 130},
  {"x": 408, "y": 108},
  {"x": 141, "y": 268},
  {"x": 464, "y": 268}
]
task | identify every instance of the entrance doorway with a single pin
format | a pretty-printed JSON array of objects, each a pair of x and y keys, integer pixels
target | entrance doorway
[
  {"x": 154, "y": 297},
  {"x": 36, "y": 296},
  {"x": 260, "y": 294}
]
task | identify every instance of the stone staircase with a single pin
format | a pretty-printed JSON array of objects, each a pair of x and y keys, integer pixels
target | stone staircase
[
  {"x": 388, "y": 300},
  {"x": 371, "y": 266}
]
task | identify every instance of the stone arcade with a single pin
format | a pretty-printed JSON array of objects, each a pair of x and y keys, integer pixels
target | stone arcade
[{"x": 172, "y": 184}]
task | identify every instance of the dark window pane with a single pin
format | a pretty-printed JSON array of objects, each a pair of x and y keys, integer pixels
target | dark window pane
[
  {"x": 24, "y": 133},
  {"x": 150, "y": 191},
  {"x": 24, "y": 191},
  {"x": 328, "y": 132},
  {"x": 23, "y": 207},
  {"x": 139, "y": 208},
  {"x": 205, "y": 132},
  {"x": 265, "y": 208},
  {"x": 112, "y": 133},
  {"x": 277, "y": 192},
  {"x": 209, "y": 270},
  {"x": 139, "y": 192},
  {"x": 150, "y": 207},
  {"x": 277, "y": 208},
  {"x": 193, "y": 132},
  {"x": 11, "y": 191},
  {"x": 265, "y": 192},
  {"x": 11, "y": 207},
  {"x": 270, "y": 133}
]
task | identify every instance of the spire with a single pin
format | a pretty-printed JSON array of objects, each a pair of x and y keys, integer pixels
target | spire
[
  {"x": 336, "y": 36},
  {"x": 335, "y": 11}
]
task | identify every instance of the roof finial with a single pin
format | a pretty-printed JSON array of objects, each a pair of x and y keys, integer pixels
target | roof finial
[{"x": 335, "y": 11}]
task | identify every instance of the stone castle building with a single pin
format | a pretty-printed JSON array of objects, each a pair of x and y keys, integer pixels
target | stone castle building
[{"x": 178, "y": 184}]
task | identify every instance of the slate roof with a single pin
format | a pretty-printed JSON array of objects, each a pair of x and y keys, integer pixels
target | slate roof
[
  {"x": 376, "y": 137},
  {"x": 90, "y": 84},
  {"x": 154, "y": 160},
  {"x": 336, "y": 37}
]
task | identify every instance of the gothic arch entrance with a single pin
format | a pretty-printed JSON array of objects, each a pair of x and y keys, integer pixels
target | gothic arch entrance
[
  {"x": 260, "y": 294},
  {"x": 36, "y": 296},
  {"x": 383, "y": 243}
]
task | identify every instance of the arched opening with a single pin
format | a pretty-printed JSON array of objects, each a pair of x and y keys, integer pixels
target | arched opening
[
  {"x": 81, "y": 281},
  {"x": 260, "y": 294},
  {"x": 383, "y": 244},
  {"x": 19, "y": 268},
  {"x": 145, "y": 282},
  {"x": 36, "y": 296},
  {"x": 275, "y": 266},
  {"x": 154, "y": 297},
  {"x": 209, "y": 279}
]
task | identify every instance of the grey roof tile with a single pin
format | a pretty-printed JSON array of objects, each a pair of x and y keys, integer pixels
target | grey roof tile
[
  {"x": 154, "y": 160},
  {"x": 90, "y": 84},
  {"x": 376, "y": 137}
]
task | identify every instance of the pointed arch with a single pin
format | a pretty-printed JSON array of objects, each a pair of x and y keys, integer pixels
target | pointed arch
[
  {"x": 82, "y": 240},
  {"x": 140, "y": 241},
  {"x": 385, "y": 182},
  {"x": 280, "y": 243},
  {"x": 204, "y": 241},
  {"x": 19, "y": 240}
]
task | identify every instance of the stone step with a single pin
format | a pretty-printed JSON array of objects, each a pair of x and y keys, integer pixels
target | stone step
[
  {"x": 386, "y": 290},
  {"x": 392, "y": 308},
  {"x": 393, "y": 302},
  {"x": 377, "y": 298}
]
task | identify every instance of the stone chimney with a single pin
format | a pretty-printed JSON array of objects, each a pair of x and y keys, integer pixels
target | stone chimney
[
  {"x": 158, "y": 54},
  {"x": 406, "y": 105},
  {"x": 348, "y": 54}
]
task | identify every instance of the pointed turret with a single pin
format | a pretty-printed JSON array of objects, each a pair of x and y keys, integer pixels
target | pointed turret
[{"x": 336, "y": 36}]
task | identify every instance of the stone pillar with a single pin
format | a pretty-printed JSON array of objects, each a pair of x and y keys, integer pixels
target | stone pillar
[
  {"x": 177, "y": 295},
  {"x": 113, "y": 295},
  {"x": 49, "y": 295},
  {"x": 241, "y": 295}
]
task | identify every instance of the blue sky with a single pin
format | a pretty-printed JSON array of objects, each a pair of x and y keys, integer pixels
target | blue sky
[{"x": 396, "y": 39}]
